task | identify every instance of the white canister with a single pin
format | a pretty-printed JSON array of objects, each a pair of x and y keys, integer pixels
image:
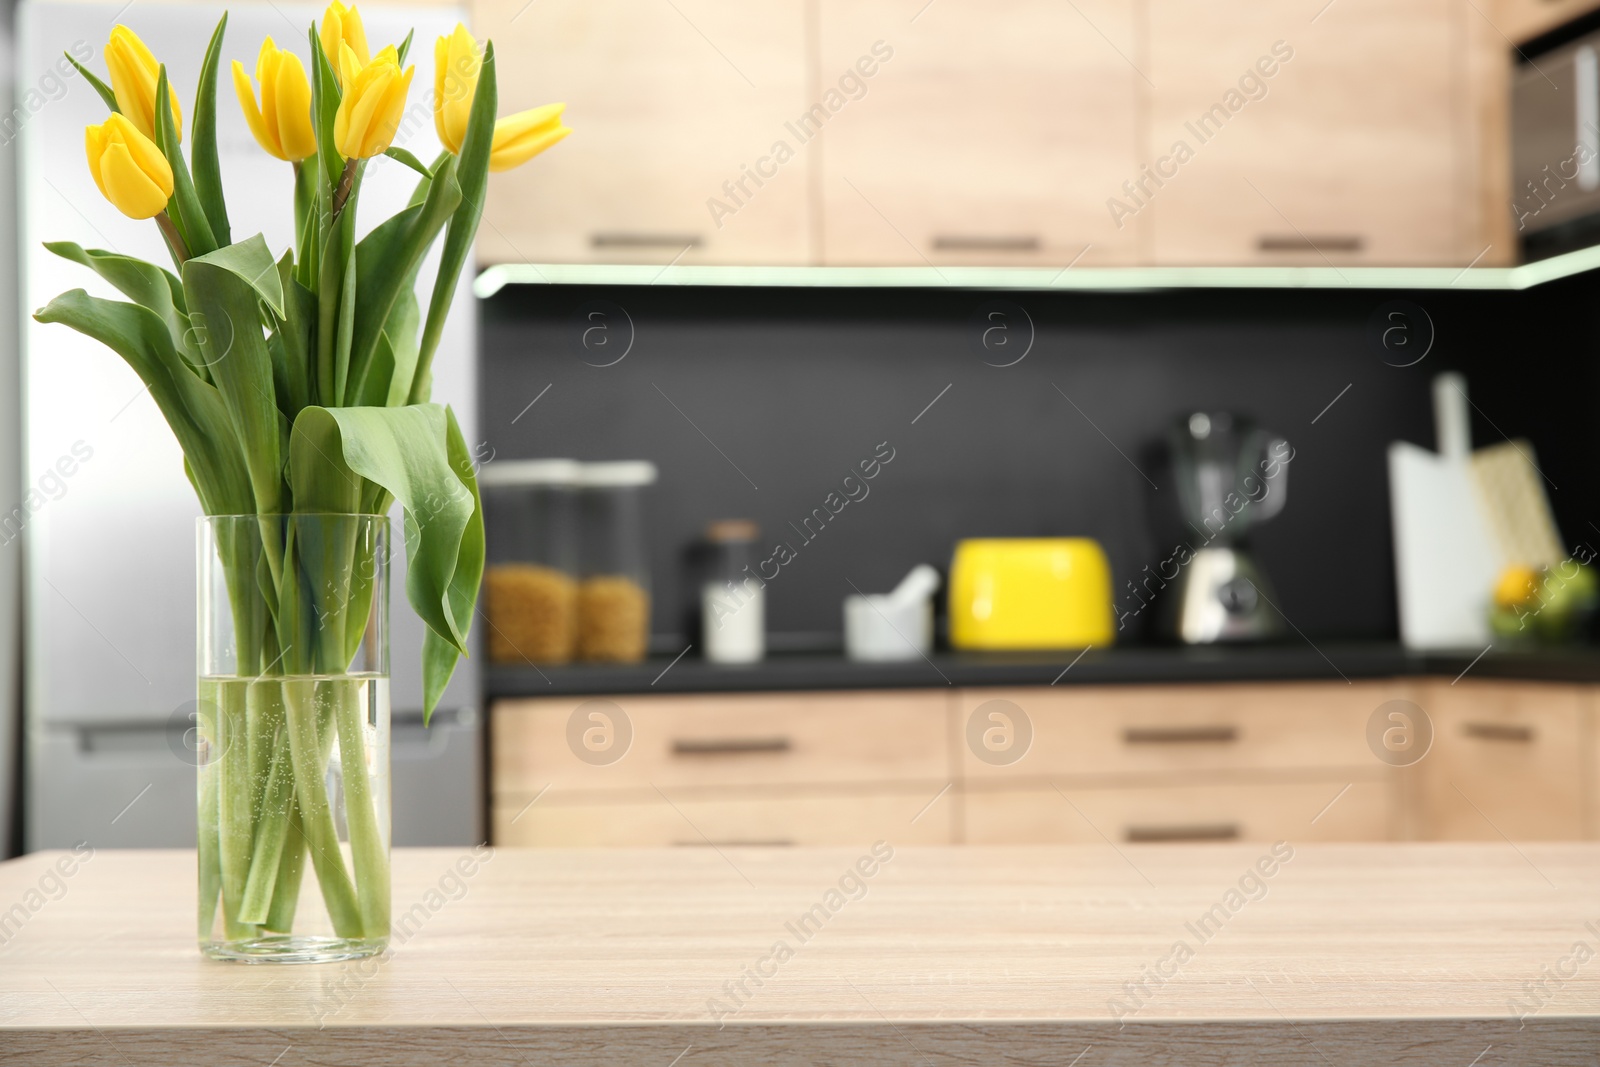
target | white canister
[{"x": 734, "y": 621}]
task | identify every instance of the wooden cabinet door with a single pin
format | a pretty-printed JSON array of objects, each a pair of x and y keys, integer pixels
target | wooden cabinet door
[
  {"x": 1507, "y": 762},
  {"x": 988, "y": 133},
  {"x": 667, "y": 102},
  {"x": 1312, "y": 133}
]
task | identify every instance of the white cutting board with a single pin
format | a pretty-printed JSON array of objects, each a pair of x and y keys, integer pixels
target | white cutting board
[{"x": 1446, "y": 559}]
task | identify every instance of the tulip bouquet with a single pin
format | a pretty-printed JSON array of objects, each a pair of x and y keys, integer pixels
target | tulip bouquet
[{"x": 297, "y": 384}]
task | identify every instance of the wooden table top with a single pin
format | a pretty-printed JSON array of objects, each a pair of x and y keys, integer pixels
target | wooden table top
[{"x": 1321, "y": 954}]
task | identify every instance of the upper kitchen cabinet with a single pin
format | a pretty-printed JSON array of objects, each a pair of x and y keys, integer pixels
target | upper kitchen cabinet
[
  {"x": 974, "y": 133},
  {"x": 676, "y": 109},
  {"x": 1520, "y": 20},
  {"x": 1306, "y": 132}
]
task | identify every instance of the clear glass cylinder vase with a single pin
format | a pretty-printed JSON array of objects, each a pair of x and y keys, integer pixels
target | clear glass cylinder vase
[{"x": 293, "y": 737}]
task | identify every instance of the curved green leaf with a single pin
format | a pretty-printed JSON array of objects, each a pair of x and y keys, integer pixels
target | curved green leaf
[
  {"x": 408, "y": 452},
  {"x": 145, "y": 284},
  {"x": 193, "y": 409},
  {"x": 389, "y": 257},
  {"x": 472, "y": 174},
  {"x": 184, "y": 206},
  {"x": 439, "y": 656},
  {"x": 203, "y": 141},
  {"x": 226, "y": 289},
  {"x": 107, "y": 94}
]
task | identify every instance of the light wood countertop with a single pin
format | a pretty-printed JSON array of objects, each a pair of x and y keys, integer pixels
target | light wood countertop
[{"x": 1350, "y": 954}]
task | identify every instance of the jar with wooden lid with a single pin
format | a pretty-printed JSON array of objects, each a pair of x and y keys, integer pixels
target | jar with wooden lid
[
  {"x": 531, "y": 548},
  {"x": 614, "y": 569}
]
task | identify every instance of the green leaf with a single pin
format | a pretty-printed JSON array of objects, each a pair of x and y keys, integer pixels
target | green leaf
[
  {"x": 324, "y": 109},
  {"x": 409, "y": 160},
  {"x": 145, "y": 284},
  {"x": 405, "y": 47},
  {"x": 225, "y": 289},
  {"x": 389, "y": 257},
  {"x": 251, "y": 262},
  {"x": 408, "y": 452},
  {"x": 438, "y": 655},
  {"x": 400, "y": 333},
  {"x": 291, "y": 341},
  {"x": 203, "y": 141},
  {"x": 184, "y": 206},
  {"x": 472, "y": 173},
  {"x": 107, "y": 94},
  {"x": 193, "y": 409}
]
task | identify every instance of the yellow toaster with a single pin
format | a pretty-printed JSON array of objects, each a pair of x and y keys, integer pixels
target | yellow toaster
[{"x": 1030, "y": 593}]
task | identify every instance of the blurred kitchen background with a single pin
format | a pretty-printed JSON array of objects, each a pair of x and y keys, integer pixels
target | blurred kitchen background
[{"x": 1120, "y": 420}]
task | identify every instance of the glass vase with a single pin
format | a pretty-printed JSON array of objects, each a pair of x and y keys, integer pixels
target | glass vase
[{"x": 293, "y": 737}]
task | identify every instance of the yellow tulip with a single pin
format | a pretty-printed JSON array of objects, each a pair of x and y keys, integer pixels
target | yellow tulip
[
  {"x": 133, "y": 79},
  {"x": 373, "y": 102},
  {"x": 520, "y": 137},
  {"x": 128, "y": 167},
  {"x": 342, "y": 25},
  {"x": 517, "y": 138},
  {"x": 282, "y": 124},
  {"x": 456, "y": 64}
]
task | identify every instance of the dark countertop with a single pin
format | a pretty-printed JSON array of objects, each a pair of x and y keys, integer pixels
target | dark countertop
[{"x": 1114, "y": 666}]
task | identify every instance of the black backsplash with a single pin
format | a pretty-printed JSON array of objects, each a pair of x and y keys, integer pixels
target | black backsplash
[{"x": 757, "y": 403}]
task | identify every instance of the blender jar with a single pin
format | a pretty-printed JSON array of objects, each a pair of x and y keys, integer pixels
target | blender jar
[
  {"x": 614, "y": 590},
  {"x": 531, "y": 547}
]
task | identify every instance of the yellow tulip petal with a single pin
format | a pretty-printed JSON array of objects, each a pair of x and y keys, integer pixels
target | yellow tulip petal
[
  {"x": 293, "y": 97},
  {"x": 524, "y": 122},
  {"x": 519, "y": 150},
  {"x": 134, "y": 73},
  {"x": 252, "y": 114},
  {"x": 147, "y": 157},
  {"x": 441, "y": 58},
  {"x": 94, "y": 138},
  {"x": 342, "y": 25},
  {"x": 134, "y": 193}
]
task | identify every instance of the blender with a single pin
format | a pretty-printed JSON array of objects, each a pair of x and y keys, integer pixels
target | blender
[{"x": 1231, "y": 475}]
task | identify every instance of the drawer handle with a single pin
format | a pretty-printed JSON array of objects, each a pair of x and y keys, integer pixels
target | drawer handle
[
  {"x": 736, "y": 842},
  {"x": 684, "y": 241},
  {"x": 1146, "y": 835},
  {"x": 730, "y": 746},
  {"x": 950, "y": 242},
  {"x": 1293, "y": 242},
  {"x": 1497, "y": 731},
  {"x": 1180, "y": 735}
]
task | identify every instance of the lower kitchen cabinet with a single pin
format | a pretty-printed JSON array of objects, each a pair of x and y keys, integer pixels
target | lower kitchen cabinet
[
  {"x": 1509, "y": 761},
  {"x": 1513, "y": 761},
  {"x": 726, "y": 819},
  {"x": 1329, "y": 809}
]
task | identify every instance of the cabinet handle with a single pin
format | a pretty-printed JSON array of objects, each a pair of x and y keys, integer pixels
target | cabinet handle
[
  {"x": 954, "y": 242},
  {"x": 1497, "y": 731},
  {"x": 1180, "y": 735},
  {"x": 1294, "y": 242},
  {"x": 1145, "y": 835},
  {"x": 729, "y": 746},
  {"x": 736, "y": 842},
  {"x": 683, "y": 241}
]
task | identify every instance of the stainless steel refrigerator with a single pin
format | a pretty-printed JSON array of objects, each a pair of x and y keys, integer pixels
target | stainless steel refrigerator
[{"x": 108, "y": 550}]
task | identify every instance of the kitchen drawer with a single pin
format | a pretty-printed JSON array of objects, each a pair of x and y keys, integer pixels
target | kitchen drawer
[
  {"x": 1507, "y": 762},
  {"x": 723, "y": 740},
  {"x": 1139, "y": 730},
  {"x": 741, "y": 818},
  {"x": 1268, "y": 811}
]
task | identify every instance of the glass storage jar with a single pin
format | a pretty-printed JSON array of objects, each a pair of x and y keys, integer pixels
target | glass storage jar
[
  {"x": 531, "y": 572},
  {"x": 614, "y": 590},
  {"x": 732, "y": 597}
]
